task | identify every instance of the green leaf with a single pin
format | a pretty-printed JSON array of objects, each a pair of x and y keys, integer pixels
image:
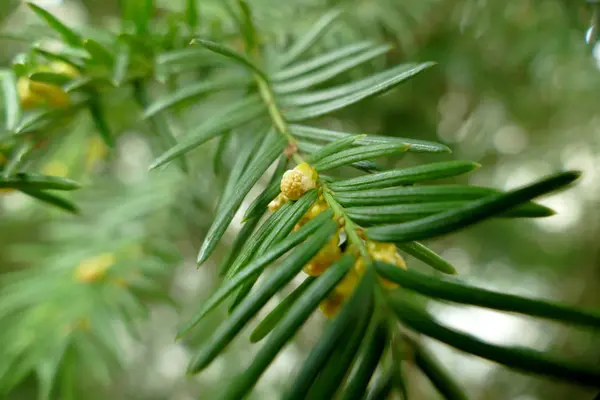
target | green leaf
[
  {"x": 333, "y": 148},
  {"x": 121, "y": 65},
  {"x": 309, "y": 39},
  {"x": 418, "y": 146},
  {"x": 50, "y": 77},
  {"x": 419, "y": 194},
  {"x": 41, "y": 118},
  {"x": 325, "y": 74},
  {"x": 240, "y": 240},
  {"x": 191, "y": 92},
  {"x": 29, "y": 181},
  {"x": 382, "y": 86},
  {"x": 293, "y": 320},
  {"x": 240, "y": 165},
  {"x": 284, "y": 272},
  {"x": 52, "y": 199},
  {"x": 437, "y": 374},
  {"x": 140, "y": 12},
  {"x": 64, "y": 31},
  {"x": 310, "y": 148},
  {"x": 348, "y": 317},
  {"x": 193, "y": 57},
  {"x": 229, "y": 118},
  {"x": 331, "y": 377},
  {"x": 282, "y": 309},
  {"x": 470, "y": 213},
  {"x": 217, "y": 164},
  {"x": 378, "y": 215},
  {"x": 330, "y": 93},
  {"x": 428, "y": 256},
  {"x": 356, "y": 154},
  {"x": 283, "y": 228},
  {"x": 271, "y": 148},
  {"x": 518, "y": 358},
  {"x": 247, "y": 26},
  {"x": 255, "y": 240},
  {"x": 99, "y": 120},
  {"x": 321, "y": 60},
  {"x": 230, "y": 53},
  {"x": 371, "y": 353},
  {"x": 158, "y": 124},
  {"x": 382, "y": 387},
  {"x": 273, "y": 189},
  {"x": 191, "y": 14},
  {"x": 12, "y": 104},
  {"x": 99, "y": 54},
  {"x": 405, "y": 176},
  {"x": 451, "y": 290},
  {"x": 79, "y": 83},
  {"x": 75, "y": 62},
  {"x": 16, "y": 158}
]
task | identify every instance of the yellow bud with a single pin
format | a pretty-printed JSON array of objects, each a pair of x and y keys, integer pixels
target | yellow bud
[
  {"x": 317, "y": 208},
  {"x": 29, "y": 100},
  {"x": 94, "y": 269},
  {"x": 386, "y": 252},
  {"x": 348, "y": 284},
  {"x": 308, "y": 171},
  {"x": 277, "y": 202},
  {"x": 332, "y": 304},
  {"x": 298, "y": 181},
  {"x": 324, "y": 258},
  {"x": 54, "y": 95}
]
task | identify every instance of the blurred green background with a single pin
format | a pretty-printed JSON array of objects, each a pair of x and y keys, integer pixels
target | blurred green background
[{"x": 517, "y": 89}]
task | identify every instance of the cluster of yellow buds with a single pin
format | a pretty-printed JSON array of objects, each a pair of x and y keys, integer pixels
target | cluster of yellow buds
[
  {"x": 34, "y": 94},
  {"x": 385, "y": 252},
  {"x": 94, "y": 269},
  {"x": 294, "y": 183}
]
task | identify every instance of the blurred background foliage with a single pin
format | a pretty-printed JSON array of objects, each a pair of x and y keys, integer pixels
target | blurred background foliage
[{"x": 516, "y": 89}]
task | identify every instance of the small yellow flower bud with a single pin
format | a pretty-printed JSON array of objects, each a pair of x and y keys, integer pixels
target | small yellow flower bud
[
  {"x": 386, "y": 252},
  {"x": 324, "y": 258},
  {"x": 298, "y": 181},
  {"x": 277, "y": 202},
  {"x": 349, "y": 283},
  {"x": 53, "y": 95},
  {"x": 317, "y": 208},
  {"x": 29, "y": 100},
  {"x": 94, "y": 269},
  {"x": 332, "y": 304}
]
